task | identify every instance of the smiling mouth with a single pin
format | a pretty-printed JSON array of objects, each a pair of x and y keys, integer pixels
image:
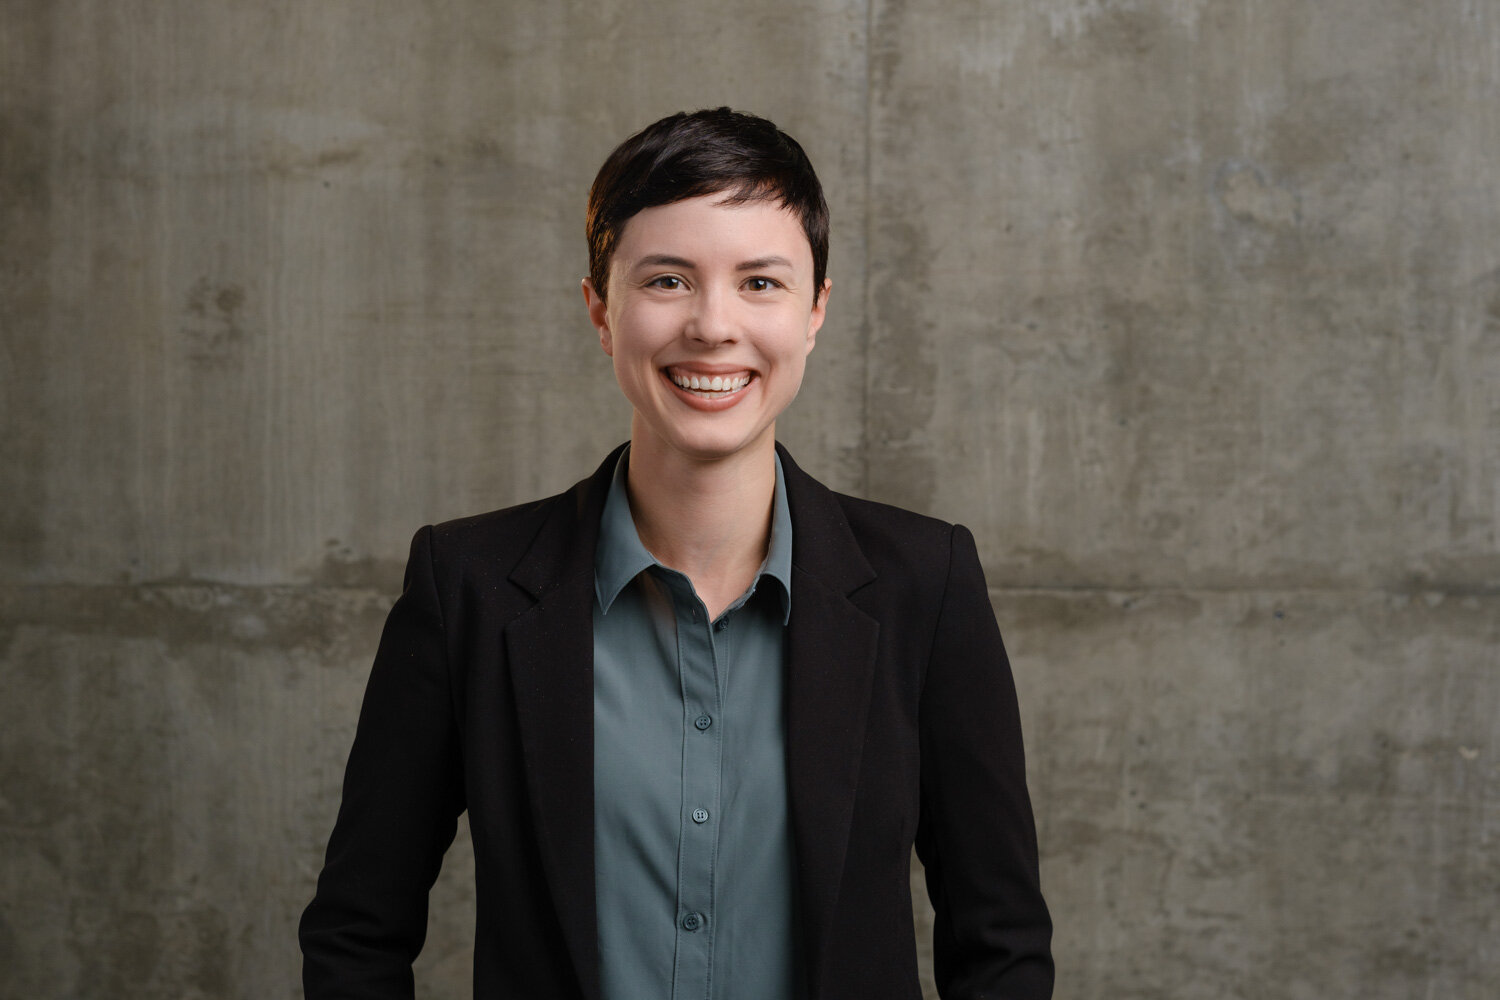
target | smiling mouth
[{"x": 711, "y": 386}]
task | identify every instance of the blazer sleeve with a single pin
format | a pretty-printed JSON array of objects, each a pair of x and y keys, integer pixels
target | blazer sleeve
[
  {"x": 403, "y": 791},
  {"x": 976, "y": 836}
]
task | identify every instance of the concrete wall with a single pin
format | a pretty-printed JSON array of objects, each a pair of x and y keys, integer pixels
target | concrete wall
[{"x": 1190, "y": 309}]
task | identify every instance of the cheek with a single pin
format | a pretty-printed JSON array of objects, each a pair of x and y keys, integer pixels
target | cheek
[
  {"x": 639, "y": 329},
  {"x": 797, "y": 339}
]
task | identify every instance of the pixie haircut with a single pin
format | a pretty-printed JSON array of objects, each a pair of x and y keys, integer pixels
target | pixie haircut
[{"x": 704, "y": 152}]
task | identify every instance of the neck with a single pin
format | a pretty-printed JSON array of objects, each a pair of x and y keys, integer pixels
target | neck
[{"x": 710, "y": 520}]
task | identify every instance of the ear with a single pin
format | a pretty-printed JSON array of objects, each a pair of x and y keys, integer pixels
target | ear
[
  {"x": 599, "y": 316},
  {"x": 819, "y": 314}
]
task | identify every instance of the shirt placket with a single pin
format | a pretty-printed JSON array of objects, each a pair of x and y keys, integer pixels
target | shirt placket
[{"x": 702, "y": 742}]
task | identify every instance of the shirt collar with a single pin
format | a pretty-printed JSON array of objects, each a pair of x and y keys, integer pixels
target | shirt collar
[{"x": 620, "y": 556}]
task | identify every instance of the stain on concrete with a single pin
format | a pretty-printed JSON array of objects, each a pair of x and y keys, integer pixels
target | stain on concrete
[
  {"x": 34, "y": 792},
  {"x": 342, "y": 567},
  {"x": 1257, "y": 220},
  {"x": 137, "y": 953},
  {"x": 884, "y": 42},
  {"x": 1332, "y": 128},
  {"x": 1483, "y": 294},
  {"x": 1249, "y": 198},
  {"x": 200, "y": 939},
  {"x": 327, "y": 158},
  {"x": 27, "y": 129},
  {"x": 903, "y": 379},
  {"x": 204, "y": 616},
  {"x": 9, "y": 956},
  {"x": 121, "y": 951},
  {"x": 214, "y": 325},
  {"x": 1408, "y": 961},
  {"x": 1109, "y": 29}
]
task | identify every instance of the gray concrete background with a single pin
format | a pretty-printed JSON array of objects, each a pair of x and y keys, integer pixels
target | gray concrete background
[{"x": 1190, "y": 309}]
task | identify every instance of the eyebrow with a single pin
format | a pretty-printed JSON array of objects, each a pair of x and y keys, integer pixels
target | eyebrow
[
  {"x": 761, "y": 263},
  {"x": 663, "y": 260},
  {"x": 668, "y": 260}
]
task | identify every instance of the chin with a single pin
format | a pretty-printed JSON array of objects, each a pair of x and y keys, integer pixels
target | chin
[{"x": 717, "y": 447}]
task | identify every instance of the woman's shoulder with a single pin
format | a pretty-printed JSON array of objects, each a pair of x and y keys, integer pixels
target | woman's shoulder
[
  {"x": 499, "y": 527},
  {"x": 554, "y": 523},
  {"x": 894, "y": 538},
  {"x": 896, "y": 542}
]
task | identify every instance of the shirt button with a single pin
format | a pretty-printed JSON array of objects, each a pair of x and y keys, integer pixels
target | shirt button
[
  {"x": 721, "y": 625},
  {"x": 692, "y": 921},
  {"x": 700, "y": 815},
  {"x": 703, "y": 722}
]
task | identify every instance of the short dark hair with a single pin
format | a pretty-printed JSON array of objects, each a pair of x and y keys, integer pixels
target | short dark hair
[{"x": 704, "y": 152}]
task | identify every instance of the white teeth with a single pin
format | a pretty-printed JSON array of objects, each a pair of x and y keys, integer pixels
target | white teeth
[{"x": 717, "y": 384}]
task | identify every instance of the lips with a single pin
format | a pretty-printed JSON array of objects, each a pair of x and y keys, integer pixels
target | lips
[{"x": 710, "y": 385}]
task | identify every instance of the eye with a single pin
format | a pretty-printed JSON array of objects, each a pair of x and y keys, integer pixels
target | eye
[
  {"x": 762, "y": 284},
  {"x": 669, "y": 282}
]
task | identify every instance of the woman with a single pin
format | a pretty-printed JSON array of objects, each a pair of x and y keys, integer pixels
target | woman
[{"x": 699, "y": 708}]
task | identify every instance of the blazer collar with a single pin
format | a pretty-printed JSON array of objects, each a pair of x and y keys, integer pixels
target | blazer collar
[
  {"x": 564, "y": 546},
  {"x": 823, "y": 545},
  {"x": 830, "y": 663}
]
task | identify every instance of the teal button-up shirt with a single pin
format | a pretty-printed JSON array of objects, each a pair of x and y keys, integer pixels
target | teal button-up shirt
[{"x": 694, "y": 879}]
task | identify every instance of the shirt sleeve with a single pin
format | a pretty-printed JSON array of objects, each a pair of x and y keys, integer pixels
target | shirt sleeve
[
  {"x": 402, "y": 794},
  {"x": 976, "y": 836}
]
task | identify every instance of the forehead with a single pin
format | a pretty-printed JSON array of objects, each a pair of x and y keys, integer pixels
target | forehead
[{"x": 712, "y": 228}]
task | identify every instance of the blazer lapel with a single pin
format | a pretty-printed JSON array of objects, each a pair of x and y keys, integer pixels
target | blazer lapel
[
  {"x": 551, "y": 655},
  {"x": 831, "y": 649}
]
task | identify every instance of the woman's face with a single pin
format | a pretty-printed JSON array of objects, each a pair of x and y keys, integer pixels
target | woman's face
[{"x": 710, "y": 319}]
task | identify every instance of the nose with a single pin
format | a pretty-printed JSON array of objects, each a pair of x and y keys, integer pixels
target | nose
[{"x": 714, "y": 320}]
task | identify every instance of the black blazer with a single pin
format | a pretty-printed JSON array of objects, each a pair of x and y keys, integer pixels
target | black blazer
[{"x": 901, "y": 727}]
